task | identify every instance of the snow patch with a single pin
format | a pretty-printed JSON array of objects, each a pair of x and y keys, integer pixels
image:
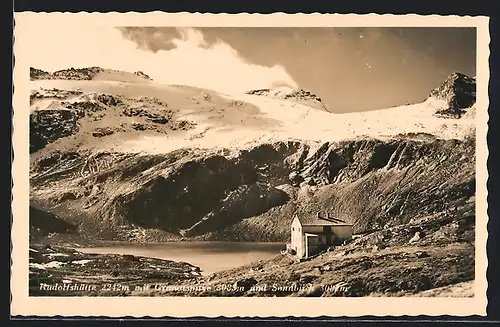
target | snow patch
[
  {"x": 81, "y": 262},
  {"x": 52, "y": 264},
  {"x": 50, "y": 255}
]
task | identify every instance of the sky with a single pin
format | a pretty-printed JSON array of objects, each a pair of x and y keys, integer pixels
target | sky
[{"x": 351, "y": 69}]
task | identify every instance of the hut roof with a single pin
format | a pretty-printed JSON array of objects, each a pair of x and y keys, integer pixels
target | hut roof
[{"x": 324, "y": 220}]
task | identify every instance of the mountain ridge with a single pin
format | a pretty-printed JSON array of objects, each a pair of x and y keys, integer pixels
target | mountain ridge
[
  {"x": 457, "y": 90},
  {"x": 87, "y": 73}
]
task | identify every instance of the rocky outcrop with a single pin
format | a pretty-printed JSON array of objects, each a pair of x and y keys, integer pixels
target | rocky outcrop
[
  {"x": 43, "y": 225},
  {"x": 38, "y": 74},
  {"x": 459, "y": 92},
  {"x": 77, "y": 74},
  {"x": 61, "y": 271},
  {"x": 49, "y": 125},
  {"x": 148, "y": 114},
  {"x": 47, "y": 222},
  {"x": 142, "y": 74},
  {"x": 52, "y": 94},
  {"x": 299, "y": 94},
  {"x": 66, "y": 74},
  {"x": 58, "y": 114}
]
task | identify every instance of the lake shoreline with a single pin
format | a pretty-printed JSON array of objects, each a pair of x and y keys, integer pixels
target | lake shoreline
[
  {"x": 211, "y": 257},
  {"x": 95, "y": 243}
]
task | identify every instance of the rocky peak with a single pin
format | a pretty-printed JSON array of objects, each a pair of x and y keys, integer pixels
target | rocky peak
[
  {"x": 288, "y": 93},
  {"x": 459, "y": 92}
]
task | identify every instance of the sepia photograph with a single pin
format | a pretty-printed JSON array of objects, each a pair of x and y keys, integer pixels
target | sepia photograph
[{"x": 335, "y": 161}]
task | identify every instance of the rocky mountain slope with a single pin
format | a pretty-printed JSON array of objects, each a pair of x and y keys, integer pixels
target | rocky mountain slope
[
  {"x": 410, "y": 270},
  {"x": 252, "y": 194}
]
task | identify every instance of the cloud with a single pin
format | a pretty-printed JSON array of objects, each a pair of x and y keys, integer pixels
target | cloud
[
  {"x": 152, "y": 38},
  {"x": 183, "y": 57}
]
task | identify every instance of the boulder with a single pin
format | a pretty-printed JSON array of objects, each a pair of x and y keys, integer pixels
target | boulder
[
  {"x": 422, "y": 254},
  {"x": 102, "y": 131},
  {"x": 246, "y": 283},
  {"x": 415, "y": 238},
  {"x": 295, "y": 178}
]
